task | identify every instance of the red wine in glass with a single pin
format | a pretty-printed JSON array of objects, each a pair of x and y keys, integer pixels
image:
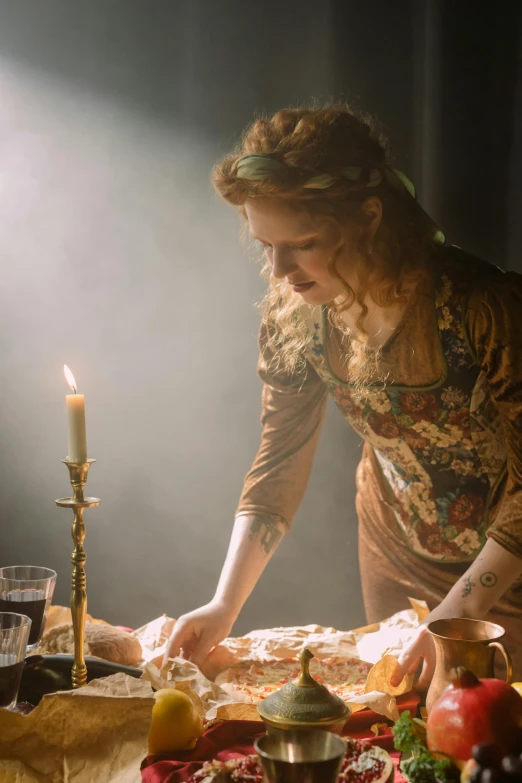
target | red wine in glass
[
  {"x": 10, "y": 674},
  {"x": 32, "y": 603}
]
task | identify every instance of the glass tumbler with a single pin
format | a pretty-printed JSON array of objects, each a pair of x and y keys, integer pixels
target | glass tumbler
[
  {"x": 14, "y": 635},
  {"x": 28, "y": 590}
]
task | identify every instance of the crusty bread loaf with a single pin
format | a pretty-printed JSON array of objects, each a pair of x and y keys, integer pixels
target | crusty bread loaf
[
  {"x": 101, "y": 641},
  {"x": 61, "y": 615}
]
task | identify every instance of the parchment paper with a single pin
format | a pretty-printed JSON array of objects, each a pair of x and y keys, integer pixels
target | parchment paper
[
  {"x": 96, "y": 733},
  {"x": 373, "y": 644},
  {"x": 369, "y": 644}
]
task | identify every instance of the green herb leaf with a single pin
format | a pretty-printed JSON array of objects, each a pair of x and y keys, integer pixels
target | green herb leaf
[
  {"x": 420, "y": 766},
  {"x": 406, "y": 736}
]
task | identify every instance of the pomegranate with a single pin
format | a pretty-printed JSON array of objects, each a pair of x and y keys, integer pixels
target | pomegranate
[{"x": 475, "y": 712}]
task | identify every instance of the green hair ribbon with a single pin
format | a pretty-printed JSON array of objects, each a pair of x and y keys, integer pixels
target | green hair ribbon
[{"x": 258, "y": 166}]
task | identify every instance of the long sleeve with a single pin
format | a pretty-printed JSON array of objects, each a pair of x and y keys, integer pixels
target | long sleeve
[
  {"x": 494, "y": 326},
  {"x": 293, "y": 408}
]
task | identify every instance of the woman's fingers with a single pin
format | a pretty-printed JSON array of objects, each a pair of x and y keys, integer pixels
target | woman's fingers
[
  {"x": 201, "y": 649},
  {"x": 410, "y": 658},
  {"x": 415, "y": 666},
  {"x": 182, "y": 639},
  {"x": 428, "y": 668}
]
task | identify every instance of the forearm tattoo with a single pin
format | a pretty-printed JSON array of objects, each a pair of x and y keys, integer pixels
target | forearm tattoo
[
  {"x": 269, "y": 531},
  {"x": 487, "y": 579},
  {"x": 467, "y": 587}
]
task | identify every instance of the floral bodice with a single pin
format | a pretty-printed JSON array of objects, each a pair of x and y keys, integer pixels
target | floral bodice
[{"x": 441, "y": 448}]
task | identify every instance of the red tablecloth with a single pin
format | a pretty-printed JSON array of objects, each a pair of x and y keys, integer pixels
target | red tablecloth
[{"x": 231, "y": 739}]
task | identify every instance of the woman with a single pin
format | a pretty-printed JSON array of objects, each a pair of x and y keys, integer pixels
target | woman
[{"x": 420, "y": 346}]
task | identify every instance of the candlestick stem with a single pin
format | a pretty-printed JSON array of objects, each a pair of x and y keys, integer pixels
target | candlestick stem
[{"x": 78, "y": 478}]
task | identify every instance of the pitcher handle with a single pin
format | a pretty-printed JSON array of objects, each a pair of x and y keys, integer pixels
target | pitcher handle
[{"x": 507, "y": 659}]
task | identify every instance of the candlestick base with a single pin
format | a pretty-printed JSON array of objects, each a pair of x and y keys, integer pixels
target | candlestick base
[{"x": 78, "y": 477}]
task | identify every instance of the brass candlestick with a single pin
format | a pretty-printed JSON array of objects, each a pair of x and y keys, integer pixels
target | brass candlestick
[{"x": 78, "y": 477}]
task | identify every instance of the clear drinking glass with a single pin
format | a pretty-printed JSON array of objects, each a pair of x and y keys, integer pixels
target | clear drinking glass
[
  {"x": 29, "y": 590},
  {"x": 14, "y": 634}
]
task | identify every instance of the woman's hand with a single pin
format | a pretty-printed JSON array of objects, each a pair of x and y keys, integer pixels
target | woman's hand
[
  {"x": 254, "y": 540},
  {"x": 197, "y": 632},
  {"x": 473, "y": 595},
  {"x": 420, "y": 649}
]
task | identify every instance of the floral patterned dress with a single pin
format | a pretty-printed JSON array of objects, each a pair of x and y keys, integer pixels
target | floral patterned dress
[
  {"x": 442, "y": 461},
  {"x": 441, "y": 447}
]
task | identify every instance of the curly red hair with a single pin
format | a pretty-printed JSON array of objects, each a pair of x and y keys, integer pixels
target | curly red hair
[{"x": 324, "y": 140}]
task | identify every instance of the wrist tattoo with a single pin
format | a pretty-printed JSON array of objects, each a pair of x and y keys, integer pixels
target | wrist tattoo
[
  {"x": 269, "y": 531},
  {"x": 489, "y": 579},
  {"x": 467, "y": 587}
]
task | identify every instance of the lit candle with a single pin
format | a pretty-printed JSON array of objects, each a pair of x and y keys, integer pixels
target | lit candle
[{"x": 75, "y": 421}]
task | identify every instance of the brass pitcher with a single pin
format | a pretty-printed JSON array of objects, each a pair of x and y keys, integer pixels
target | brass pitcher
[{"x": 470, "y": 644}]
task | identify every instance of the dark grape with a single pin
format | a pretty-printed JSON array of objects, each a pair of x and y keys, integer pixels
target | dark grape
[
  {"x": 491, "y": 776},
  {"x": 487, "y": 756},
  {"x": 512, "y": 765},
  {"x": 518, "y": 742}
]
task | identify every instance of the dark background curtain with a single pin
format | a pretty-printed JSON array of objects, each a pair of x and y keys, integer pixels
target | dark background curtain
[
  {"x": 455, "y": 118},
  {"x": 118, "y": 260}
]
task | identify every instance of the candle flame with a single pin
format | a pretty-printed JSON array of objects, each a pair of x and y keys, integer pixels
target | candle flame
[{"x": 69, "y": 377}]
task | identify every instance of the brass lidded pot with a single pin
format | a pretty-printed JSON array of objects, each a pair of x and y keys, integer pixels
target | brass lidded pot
[{"x": 304, "y": 704}]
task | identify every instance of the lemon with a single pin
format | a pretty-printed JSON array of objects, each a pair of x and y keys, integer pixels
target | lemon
[
  {"x": 517, "y": 686},
  {"x": 176, "y": 724}
]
